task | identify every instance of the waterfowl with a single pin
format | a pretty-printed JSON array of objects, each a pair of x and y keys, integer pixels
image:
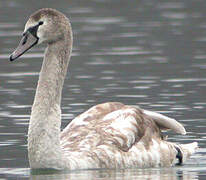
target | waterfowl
[{"x": 109, "y": 135}]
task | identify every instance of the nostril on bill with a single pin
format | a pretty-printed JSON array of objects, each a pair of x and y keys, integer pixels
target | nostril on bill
[{"x": 24, "y": 40}]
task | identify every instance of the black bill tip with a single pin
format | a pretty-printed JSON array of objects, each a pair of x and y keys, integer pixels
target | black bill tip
[{"x": 11, "y": 58}]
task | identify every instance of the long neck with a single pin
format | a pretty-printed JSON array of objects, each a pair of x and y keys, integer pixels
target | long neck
[{"x": 44, "y": 127}]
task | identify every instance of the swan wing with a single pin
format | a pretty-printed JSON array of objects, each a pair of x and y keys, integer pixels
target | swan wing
[
  {"x": 110, "y": 123},
  {"x": 115, "y": 124},
  {"x": 85, "y": 129},
  {"x": 165, "y": 123}
]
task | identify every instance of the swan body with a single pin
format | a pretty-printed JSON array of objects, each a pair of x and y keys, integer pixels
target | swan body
[{"x": 109, "y": 135}]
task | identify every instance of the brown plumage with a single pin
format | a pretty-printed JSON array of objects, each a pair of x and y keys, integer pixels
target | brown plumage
[{"x": 109, "y": 135}]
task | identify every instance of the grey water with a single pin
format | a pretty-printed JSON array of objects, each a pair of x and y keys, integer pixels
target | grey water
[{"x": 150, "y": 53}]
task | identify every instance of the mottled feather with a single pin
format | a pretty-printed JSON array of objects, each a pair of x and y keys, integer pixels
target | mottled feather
[
  {"x": 109, "y": 135},
  {"x": 116, "y": 135}
]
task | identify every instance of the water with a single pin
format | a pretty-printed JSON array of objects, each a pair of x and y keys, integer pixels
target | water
[{"x": 149, "y": 53}]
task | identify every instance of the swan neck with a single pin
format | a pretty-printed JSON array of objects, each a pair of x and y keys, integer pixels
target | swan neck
[{"x": 45, "y": 122}]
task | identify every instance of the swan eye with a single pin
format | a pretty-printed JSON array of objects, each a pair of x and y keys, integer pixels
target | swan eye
[{"x": 41, "y": 22}]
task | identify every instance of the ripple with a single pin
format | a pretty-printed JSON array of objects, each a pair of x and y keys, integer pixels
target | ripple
[
  {"x": 159, "y": 105},
  {"x": 27, "y": 55},
  {"x": 15, "y": 82},
  {"x": 81, "y": 10},
  {"x": 120, "y": 53},
  {"x": 185, "y": 80},
  {"x": 105, "y": 20},
  {"x": 200, "y": 103},
  {"x": 19, "y": 74},
  {"x": 200, "y": 39},
  {"x": 108, "y": 72},
  {"x": 174, "y": 15},
  {"x": 11, "y": 91},
  {"x": 11, "y": 25},
  {"x": 172, "y": 94},
  {"x": 5, "y": 113},
  {"x": 10, "y": 134},
  {"x": 10, "y": 33},
  {"x": 180, "y": 108},
  {"x": 15, "y": 171},
  {"x": 142, "y": 87},
  {"x": 200, "y": 65},
  {"x": 78, "y": 104},
  {"x": 19, "y": 106},
  {"x": 9, "y": 142},
  {"x": 198, "y": 107},
  {"x": 131, "y": 96},
  {"x": 93, "y": 29},
  {"x": 142, "y": 82},
  {"x": 84, "y": 77},
  {"x": 153, "y": 173},
  {"x": 98, "y": 62},
  {"x": 129, "y": 35},
  {"x": 19, "y": 116},
  {"x": 171, "y": 5}
]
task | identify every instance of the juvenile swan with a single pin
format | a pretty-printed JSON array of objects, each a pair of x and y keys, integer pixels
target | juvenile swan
[{"x": 109, "y": 135}]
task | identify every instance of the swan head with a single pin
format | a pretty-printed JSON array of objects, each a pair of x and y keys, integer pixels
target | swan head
[{"x": 44, "y": 26}]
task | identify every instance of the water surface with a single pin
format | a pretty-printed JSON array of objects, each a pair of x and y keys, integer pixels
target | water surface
[{"x": 148, "y": 53}]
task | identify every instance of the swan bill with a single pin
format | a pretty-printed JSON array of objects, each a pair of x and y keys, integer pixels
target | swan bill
[{"x": 26, "y": 43}]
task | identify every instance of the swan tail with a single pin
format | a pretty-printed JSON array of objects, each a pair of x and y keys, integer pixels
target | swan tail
[{"x": 184, "y": 151}]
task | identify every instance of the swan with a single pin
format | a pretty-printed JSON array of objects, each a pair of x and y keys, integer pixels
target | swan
[{"x": 108, "y": 135}]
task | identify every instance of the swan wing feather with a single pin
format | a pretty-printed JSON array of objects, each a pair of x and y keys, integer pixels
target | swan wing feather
[
  {"x": 165, "y": 123},
  {"x": 112, "y": 124}
]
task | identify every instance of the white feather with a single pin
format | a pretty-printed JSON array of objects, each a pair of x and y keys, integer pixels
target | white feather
[{"x": 165, "y": 122}]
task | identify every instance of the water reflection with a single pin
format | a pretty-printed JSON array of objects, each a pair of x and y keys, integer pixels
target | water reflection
[
  {"x": 166, "y": 174},
  {"x": 137, "y": 174}
]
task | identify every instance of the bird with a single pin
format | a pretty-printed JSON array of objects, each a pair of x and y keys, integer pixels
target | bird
[{"x": 110, "y": 135}]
